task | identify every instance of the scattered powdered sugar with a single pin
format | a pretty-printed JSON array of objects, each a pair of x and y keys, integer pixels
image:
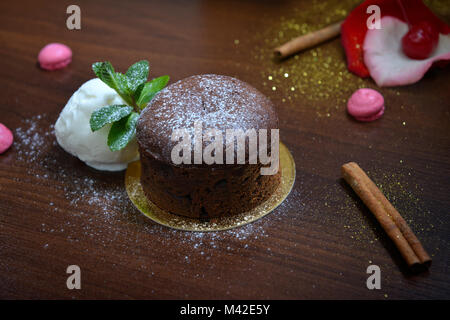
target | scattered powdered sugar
[
  {"x": 36, "y": 146},
  {"x": 97, "y": 204},
  {"x": 30, "y": 139}
]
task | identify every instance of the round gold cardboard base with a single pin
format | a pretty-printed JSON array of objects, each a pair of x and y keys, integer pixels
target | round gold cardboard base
[{"x": 137, "y": 196}]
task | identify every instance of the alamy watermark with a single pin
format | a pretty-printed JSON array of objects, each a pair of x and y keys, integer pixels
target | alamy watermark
[
  {"x": 191, "y": 150},
  {"x": 374, "y": 20},
  {"x": 74, "y": 280},
  {"x": 73, "y": 21},
  {"x": 374, "y": 280}
]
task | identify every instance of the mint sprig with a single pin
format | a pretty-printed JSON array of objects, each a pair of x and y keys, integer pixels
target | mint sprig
[
  {"x": 117, "y": 81},
  {"x": 134, "y": 89},
  {"x": 137, "y": 74},
  {"x": 122, "y": 132},
  {"x": 150, "y": 89},
  {"x": 109, "y": 114}
]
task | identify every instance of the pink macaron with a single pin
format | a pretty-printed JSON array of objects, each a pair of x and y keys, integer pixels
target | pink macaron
[
  {"x": 366, "y": 105},
  {"x": 55, "y": 56},
  {"x": 6, "y": 138}
]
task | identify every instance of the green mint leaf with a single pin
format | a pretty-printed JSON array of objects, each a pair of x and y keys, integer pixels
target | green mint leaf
[
  {"x": 150, "y": 89},
  {"x": 138, "y": 91},
  {"x": 109, "y": 114},
  {"x": 137, "y": 74},
  {"x": 105, "y": 72},
  {"x": 122, "y": 88},
  {"x": 115, "y": 80},
  {"x": 96, "y": 67},
  {"x": 122, "y": 132}
]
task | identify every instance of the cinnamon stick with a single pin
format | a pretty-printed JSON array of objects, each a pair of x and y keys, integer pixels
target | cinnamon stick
[
  {"x": 389, "y": 218},
  {"x": 307, "y": 41}
]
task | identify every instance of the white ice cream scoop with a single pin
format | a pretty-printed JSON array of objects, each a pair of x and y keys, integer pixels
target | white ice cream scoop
[{"x": 73, "y": 131}]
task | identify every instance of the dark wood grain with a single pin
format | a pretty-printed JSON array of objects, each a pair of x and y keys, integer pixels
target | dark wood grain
[{"x": 317, "y": 244}]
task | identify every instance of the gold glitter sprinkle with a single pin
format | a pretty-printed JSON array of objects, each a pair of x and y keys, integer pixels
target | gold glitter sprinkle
[
  {"x": 440, "y": 6},
  {"x": 236, "y": 41},
  {"x": 404, "y": 123},
  {"x": 270, "y": 78},
  {"x": 319, "y": 74},
  {"x": 399, "y": 186},
  {"x": 286, "y": 74},
  {"x": 274, "y": 88}
]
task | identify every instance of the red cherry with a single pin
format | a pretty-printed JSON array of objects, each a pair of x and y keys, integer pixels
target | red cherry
[{"x": 421, "y": 40}]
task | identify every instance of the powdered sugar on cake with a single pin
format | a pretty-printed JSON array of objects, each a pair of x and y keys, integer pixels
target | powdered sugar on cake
[{"x": 219, "y": 102}]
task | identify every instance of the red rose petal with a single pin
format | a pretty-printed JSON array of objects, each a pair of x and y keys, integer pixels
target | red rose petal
[
  {"x": 387, "y": 63},
  {"x": 354, "y": 28}
]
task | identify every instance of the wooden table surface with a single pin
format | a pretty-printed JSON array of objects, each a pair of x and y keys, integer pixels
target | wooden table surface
[{"x": 55, "y": 211}]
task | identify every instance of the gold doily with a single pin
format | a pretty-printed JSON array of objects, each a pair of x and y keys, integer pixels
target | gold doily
[{"x": 138, "y": 198}]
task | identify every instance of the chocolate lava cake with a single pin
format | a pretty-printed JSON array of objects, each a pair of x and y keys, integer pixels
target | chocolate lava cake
[{"x": 201, "y": 190}]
